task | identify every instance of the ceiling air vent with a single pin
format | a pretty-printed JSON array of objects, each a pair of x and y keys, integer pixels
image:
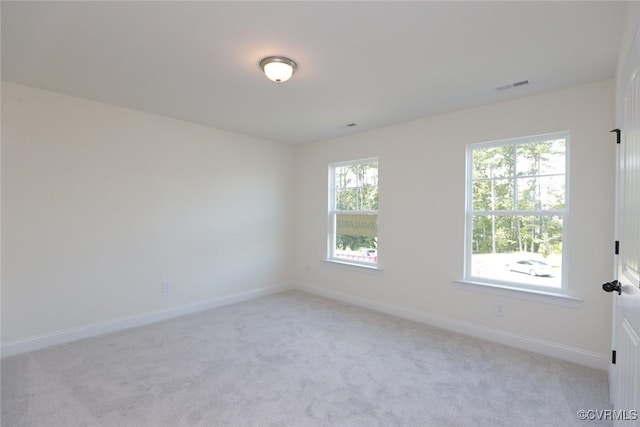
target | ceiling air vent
[{"x": 512, "y": 85}]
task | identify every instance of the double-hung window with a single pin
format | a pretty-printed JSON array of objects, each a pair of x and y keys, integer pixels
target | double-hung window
[
  {"x": 353, "y": 212},
  {"x": 516, "y": 212}
]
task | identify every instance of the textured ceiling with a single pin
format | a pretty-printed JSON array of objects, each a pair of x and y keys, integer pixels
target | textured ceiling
[{"x": 369, "y": 63}]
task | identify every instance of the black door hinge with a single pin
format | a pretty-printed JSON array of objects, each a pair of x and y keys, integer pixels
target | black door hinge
[
  {"x": 617, "y": 248},
  {"x": 613, "y": 357},
  {"x": 617, "y": 131}
]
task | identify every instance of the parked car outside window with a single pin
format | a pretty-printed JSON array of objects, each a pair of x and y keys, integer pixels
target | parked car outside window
[{"x": 530, "y": 266}]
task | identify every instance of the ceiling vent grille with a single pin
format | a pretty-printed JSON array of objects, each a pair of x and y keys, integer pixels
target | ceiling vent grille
[{"x": 514, "y": 85}]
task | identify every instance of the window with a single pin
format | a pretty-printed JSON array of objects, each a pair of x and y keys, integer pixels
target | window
[
  {"x": 516, "y": 213},
  {"x": 353, "y": 212}
]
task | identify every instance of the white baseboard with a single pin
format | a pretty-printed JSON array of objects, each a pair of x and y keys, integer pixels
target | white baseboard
[
  {"x": 94, "y": 329},
  {"x": 559, "y": 351},
  {"x": 535, "y": 345}
]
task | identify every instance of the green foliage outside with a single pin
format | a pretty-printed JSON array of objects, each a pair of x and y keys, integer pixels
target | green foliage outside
[
  {"x": 357, "y": 190},
  {"x": 525, "y": 177}
]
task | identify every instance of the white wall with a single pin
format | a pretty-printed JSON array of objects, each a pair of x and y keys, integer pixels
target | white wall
[
  {"x": 102, "y": 204},
  {"x": 421, "y": 218}
]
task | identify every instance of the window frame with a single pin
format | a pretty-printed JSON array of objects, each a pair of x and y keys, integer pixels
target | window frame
[
  {"x": 470, "y": 213},
  {"x": 333, "y": 212}
]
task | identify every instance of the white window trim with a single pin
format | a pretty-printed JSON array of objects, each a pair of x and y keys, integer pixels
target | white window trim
[
  {"x": 348, "y": 264},
  {"x": 537, "y": 293},
  {"x": 331, "y": 226}
]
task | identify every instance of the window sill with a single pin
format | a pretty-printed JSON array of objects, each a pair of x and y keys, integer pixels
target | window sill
[
  {"x": 348, "y": 264},
  {"x": 546, "y": 297}
]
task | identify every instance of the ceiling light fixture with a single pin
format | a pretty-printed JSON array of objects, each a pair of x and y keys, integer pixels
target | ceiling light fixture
[{"x": 278, "y": 68}]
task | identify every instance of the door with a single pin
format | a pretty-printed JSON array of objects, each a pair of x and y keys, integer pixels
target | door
[{"x": 625, "y": 373}]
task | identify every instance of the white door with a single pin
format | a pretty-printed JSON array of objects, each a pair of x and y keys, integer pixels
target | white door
[{"x": 625, "y": 373}]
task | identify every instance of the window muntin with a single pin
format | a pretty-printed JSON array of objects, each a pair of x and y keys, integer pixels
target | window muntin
[
  {"x": 517, "y": 212},
  {"x": 353, "y": 212}
]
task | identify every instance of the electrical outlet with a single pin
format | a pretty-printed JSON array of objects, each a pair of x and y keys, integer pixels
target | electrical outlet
[
  {"x": 166, "y": 287},
  {"x": 500, "y": 310}
]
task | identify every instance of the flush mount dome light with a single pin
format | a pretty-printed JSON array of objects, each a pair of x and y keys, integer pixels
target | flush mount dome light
[{"x": 278, "y": 68}]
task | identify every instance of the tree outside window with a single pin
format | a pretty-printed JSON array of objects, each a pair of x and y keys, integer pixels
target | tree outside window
[
  {"x": 516, "y": 211},
  {"x": 353, "y": 211}
]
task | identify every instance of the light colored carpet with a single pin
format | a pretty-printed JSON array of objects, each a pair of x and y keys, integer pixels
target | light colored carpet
[{"x": 294, "y": 359}]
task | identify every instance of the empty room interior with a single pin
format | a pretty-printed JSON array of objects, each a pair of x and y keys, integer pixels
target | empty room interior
[{"x": 317, "y": 213}]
